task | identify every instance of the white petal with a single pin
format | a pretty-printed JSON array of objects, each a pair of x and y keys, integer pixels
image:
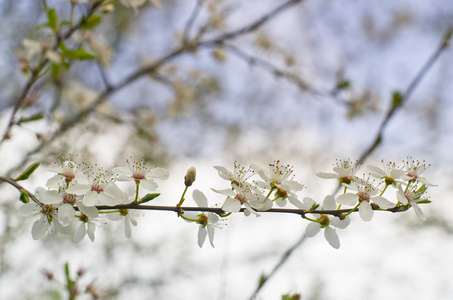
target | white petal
[
  {"x": 365, "y": 211},
  {"x": 91, "y": 198},
  {"x": 114, "y": 191},
  {"x": 39, "y": 228},
  {"x": 380, "y": 173},
  {"x": 294, "y": 201},
  {"x": 293, "y": 185},
  {"x": 55, "y": 182},
  {"x": 213, "y": 218},
  {"x": 332, "y": 237},
  {"x": 382, "y": 202},
  {"x": 127, "y": 227},
  {"x": 125, "y": 171},
  {"x": 90, "y": 211},
  {"x": 312, "y": 229},
  {"x": 308, "y": 202},
  {"x": 261, "y": 172},
  {"x": 80, "y": 233},
  {"x": 211, "y": 235},
  {"x": 159, "y": 173},
  {"x": 200, "y": 198},
  {"x": 418, "y": 211},
  {"x": 342, "y": 224},
  {"x": 90, "y": 230},
  {"x": 202, "y": 232},
  {"x": 226, "y": 192},
  {"x": 231, "y": 205},
  {"x": 79, "y": 189},
  {"x": 28, "y": 209},
  {"x": 327, "y": 175},
  {"x": 400, "y": 196},
  {"x": 223, "y": 172},
  {"x": 66, "y": 214},
  {"x": 347, "y": 199},
  {"x": 47, "y": 196},
  {"x": 116, "y": 216},
  {"x": 148, "y": 184},
  {"x": 329, "y": 203},
  {"x": 105, "y": 199}
]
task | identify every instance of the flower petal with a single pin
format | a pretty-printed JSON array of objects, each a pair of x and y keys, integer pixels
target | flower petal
[
  {"x": 312, "y": 229},
  {"x": 159, "y": 173},
  {"x": 200, "y": 198},
  {"x": 347, "y": 199},
  {"x": 331, "y": 236},
  {"x": 418, "y": 211},
  {"x": 39, "y": 228},
  {"x": 329, "y": 203},
  {"x": 202, "y": 232},
  {"x": 382, "y": 202},
  {"x": 231, "y": 205},
  {"x": 148, "y": 184},
  {"x": 365, "y": 211}
]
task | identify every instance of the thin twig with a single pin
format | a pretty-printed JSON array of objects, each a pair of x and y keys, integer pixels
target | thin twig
[
  {"x": 283, "y": 259},
  {"x": 191, "y": 21}
]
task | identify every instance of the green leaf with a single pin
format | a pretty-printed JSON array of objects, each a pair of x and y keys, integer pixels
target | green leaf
[
  {"x": 343, "y": 84},
  {"x": 262, "y": 280},
  {"x": 28, "y": 172},
  {"x": 53, "y": 19},
  {"x": 424, "y": 201},
  {"x": 149, "y": 197},
  {"x": 78, "y": 54},
  {"x": 91, "y": 21},
  {"x": 24, "y": 197},
  {"x": 397, "y": 99},
  {"x": 32, "y": 118}
]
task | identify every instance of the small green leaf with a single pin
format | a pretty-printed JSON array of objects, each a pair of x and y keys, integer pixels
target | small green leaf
[
  {"x": 447, "y": 35},
  {"x": 32, "y": 118},
  {"x": 424, "y": 201},
  {"x": 91, "y": 21},
  {"x": 28, "y": 172},
  {"x": 78, "y": 54},
  {"x": 397, "y": 99},
  {"x": 262, "y": 280},
  {"x": 53, "y": 19},
  {"x": 343, "y": 84},
  {"x": 149, "y": 197},
  {"x": 24, "y": 197}
]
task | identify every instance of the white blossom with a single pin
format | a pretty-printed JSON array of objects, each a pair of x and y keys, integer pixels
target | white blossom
[
  {"x": 101, "y": 190},
  {"x": 412, "y": 196},
  {"x": 244, "y": 196},
  {"x": 238, "y": 176},
  {"x": 280, "y": 178},
  {"x": 414, "y": 169},
  {"x": 366, "y": 193},
  {"x": 389, "y": 173},
  {"x": 325, "y": 222},
  {"x": 344, "y": 171},
  {"x": 141, "y": 172},
  {"x": 208, "y": 221}
]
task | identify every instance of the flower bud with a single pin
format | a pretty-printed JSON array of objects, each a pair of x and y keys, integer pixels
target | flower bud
[{"x": 190, "y": 176}]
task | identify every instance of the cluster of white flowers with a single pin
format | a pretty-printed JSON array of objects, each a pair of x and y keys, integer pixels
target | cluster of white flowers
[{"x": 70, "y": 202}]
